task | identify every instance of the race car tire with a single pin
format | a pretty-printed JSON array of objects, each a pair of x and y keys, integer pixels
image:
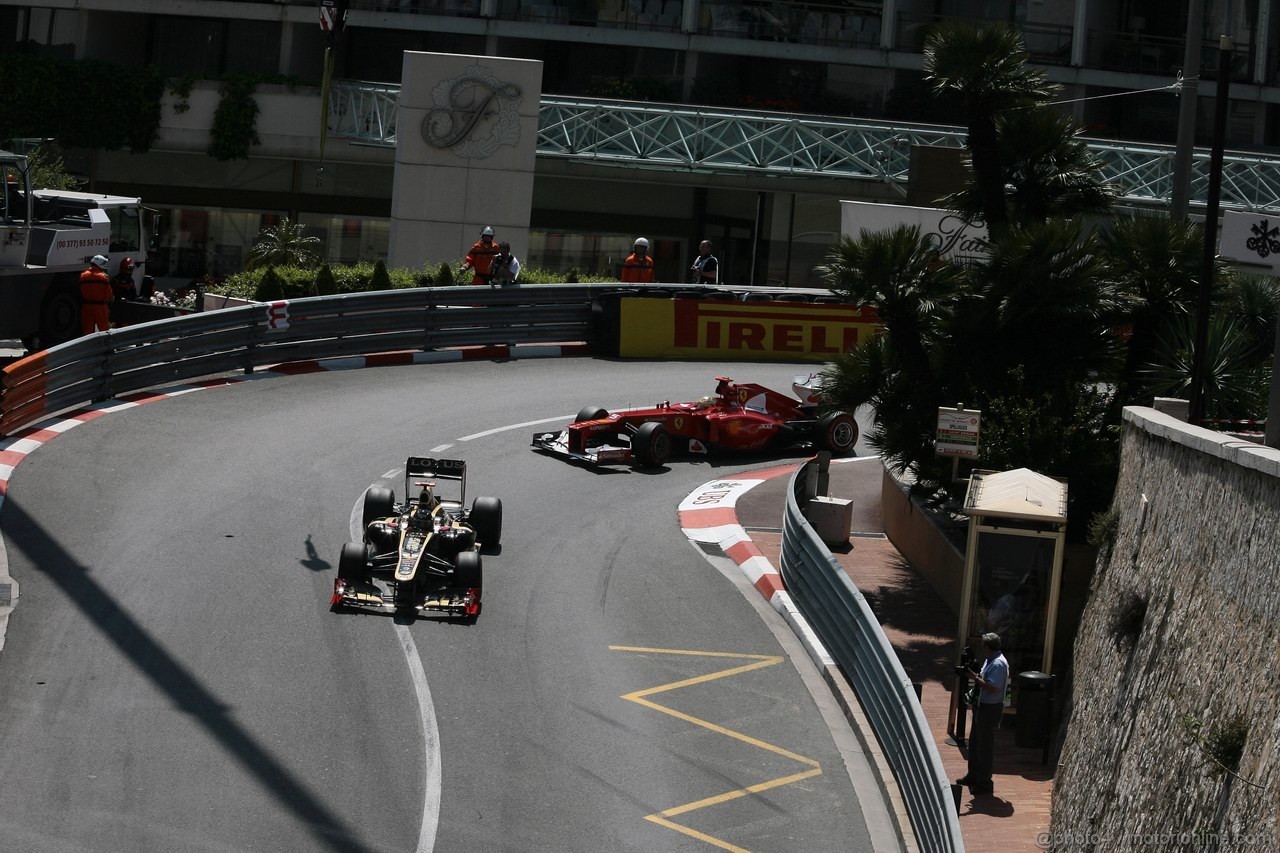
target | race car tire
[
  {"x": 469, "y": 570},
  {"x": 837, "y": 432},
  {"x": 379, "y": 502},
  {"x": 651, "y": 445},
  {"x": 486, "y": 520},
  {"x": 591, "y": 413},
  {"x": 352, "y": 562}
]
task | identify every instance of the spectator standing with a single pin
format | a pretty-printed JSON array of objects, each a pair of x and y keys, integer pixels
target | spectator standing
[
  {"x": 506, "y": 266},
  {"x": 993, "y": 681},
  {"x": 480, "y": 258},
  {"x": 638, "y": 267},
  {"x": 705, "y": 268},
  {"x": 95, "y": 296}
]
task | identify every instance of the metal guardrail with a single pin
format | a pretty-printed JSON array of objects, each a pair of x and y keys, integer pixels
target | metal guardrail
[
  {"x": 108, "y": 364},
  {"x": 852, "y": 634},
  {"x": 709, "y": 141},
  {"x": 119, "y": 361}
]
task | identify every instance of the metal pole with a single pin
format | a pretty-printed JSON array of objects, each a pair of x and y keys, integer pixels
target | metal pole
[
  {"x": 1181, "y": 192},
  {"x": 755, "y": 236},
  {"x": 1273, "y": 405},
  {"x": 1196, "y": 414}
]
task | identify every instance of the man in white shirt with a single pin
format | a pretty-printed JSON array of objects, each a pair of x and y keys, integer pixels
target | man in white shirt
[
  {"x": 993, "y": 681},
  {"x": 506, "y": 267}
]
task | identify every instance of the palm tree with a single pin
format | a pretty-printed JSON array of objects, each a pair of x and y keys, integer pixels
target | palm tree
[
  {"x": 986, "y": 70},
  {"x": 1235, "y": 384},
  {"x": 1253, "y": 304},
  {"x": 1045, "y": 305},
  {"x": 899, "y": 273},
  {"x": 1157, "y": 261},
  {"x": 286, "y": 244},
  {"x": 1048, "y": 170}
]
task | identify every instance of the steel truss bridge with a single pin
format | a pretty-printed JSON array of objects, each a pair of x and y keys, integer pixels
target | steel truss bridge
[{"x": 638, "y": 135}]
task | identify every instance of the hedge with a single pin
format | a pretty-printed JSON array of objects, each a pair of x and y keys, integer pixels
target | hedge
[{"x": 297, "y": 282}]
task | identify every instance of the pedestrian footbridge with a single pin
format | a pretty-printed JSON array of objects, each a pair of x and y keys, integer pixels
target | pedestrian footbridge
[{"x": 704, "y": 141}]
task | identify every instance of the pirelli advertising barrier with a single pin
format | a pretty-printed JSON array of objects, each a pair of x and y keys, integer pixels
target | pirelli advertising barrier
[{"x": 651, "y": 327}]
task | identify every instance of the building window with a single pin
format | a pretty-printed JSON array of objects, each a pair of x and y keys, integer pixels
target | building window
[
  {"x": 349, "y": 240},
  {"x": 206, "y": 47},
  {"x": 195, "y": 242},
  {"x": 126, "y": 230},
  {"x": 46, "y": 32}
]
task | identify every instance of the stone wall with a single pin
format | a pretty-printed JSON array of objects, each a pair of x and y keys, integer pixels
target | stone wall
[{"x": 1197, "y": 544}]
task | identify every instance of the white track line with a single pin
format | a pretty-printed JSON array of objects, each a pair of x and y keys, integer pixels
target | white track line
[
  {"x": 431, "y": 766},
  {"x": 508, "y": 427},
  {"x": 497, "y": 430},
  {"x": 430, "y": 742}
]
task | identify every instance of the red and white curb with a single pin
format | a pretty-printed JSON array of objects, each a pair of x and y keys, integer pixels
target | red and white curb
[
  {"x": 708, "y": 515},
  {"x": 17, "y": 447}
]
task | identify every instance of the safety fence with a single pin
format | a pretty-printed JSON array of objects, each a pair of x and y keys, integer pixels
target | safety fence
[
  {"x": 706, "y": 141},
  {"x": 852, "y": 634},
  {"x": 107, "y": 364}
]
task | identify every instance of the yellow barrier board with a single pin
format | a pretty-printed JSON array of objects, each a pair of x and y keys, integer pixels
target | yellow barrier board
[{"x": 741, "y": 331}]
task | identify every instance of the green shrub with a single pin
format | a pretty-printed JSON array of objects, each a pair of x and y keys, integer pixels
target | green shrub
[
  {"x": 270, "y": 287},
  {"x": 326, "y": 284},
  {"x": 235, "y": 120},
  {"x": 380, "y": 280},
  {"x": 297, "y": 282},
  {"x": 1103, "y": 528},
  {"x": 81, "y": 103}
]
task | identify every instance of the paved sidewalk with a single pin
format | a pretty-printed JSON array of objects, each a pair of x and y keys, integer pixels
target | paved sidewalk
[{"x": 921, "y": 629}]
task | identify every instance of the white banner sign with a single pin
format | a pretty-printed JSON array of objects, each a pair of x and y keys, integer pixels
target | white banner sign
[
  {"x": 958, "y": 432},
  {"x": 1251, "y": 238},
  {"x": 953, "y": 237}
]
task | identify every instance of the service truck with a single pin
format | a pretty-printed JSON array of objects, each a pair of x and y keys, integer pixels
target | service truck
[{"x": 46, "y": 240}]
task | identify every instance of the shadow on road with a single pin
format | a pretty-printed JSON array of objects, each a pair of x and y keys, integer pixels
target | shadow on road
[
  {"x": 314, "y": 561},
  {"x": 174, "y": 680}
]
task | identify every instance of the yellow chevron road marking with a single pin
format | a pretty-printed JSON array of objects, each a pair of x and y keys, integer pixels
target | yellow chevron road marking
[{"x": 639, "y": 697}]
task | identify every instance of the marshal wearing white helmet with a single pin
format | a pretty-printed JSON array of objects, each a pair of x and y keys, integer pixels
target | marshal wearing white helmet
[
  {"x": 480, "y": 258},
  {"x": 638, "y": 268}
]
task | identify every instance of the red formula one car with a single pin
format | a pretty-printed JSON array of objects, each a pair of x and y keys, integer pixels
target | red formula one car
[{"x": 737, "y": 417}]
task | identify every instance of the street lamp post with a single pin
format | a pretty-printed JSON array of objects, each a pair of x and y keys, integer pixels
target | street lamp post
[
  {"x": 1187, "y": 112},
  {"x": 1196, "y": 408}
]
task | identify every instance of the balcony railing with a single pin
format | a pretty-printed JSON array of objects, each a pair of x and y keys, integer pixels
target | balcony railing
[
  {"x": 628, "y": 134},
  {"x": 1145, "y": 54},
  {"x": 1047, "y": 44},
  {"x": 803, "y": 23}
]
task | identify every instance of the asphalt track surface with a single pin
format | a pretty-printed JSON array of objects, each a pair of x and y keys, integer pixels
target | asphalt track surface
[{"x": 173, "y": 680}]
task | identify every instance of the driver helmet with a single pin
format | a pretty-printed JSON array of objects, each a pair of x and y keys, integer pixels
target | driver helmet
[
  {"x": 99, "y": 261},
  {"x": 707, "y": 401},
  {"x": 127, "y": 266}
]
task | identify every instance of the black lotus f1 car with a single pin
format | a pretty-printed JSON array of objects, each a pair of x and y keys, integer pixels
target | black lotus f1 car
[{"x": 423, "y": 554}]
